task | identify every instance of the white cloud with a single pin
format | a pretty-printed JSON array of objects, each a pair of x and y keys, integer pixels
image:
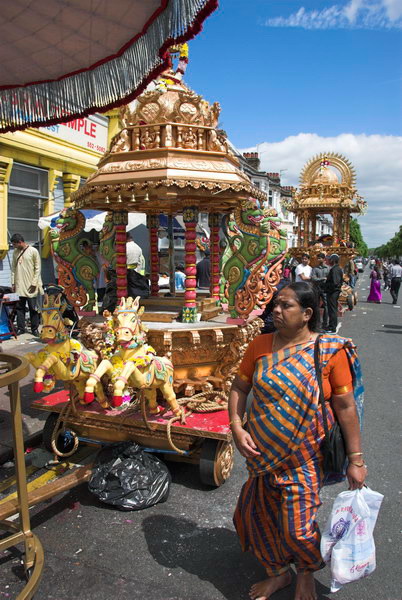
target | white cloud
[
  {"x": 377, "y": 160},
  {"x": 355, "y": 14}
]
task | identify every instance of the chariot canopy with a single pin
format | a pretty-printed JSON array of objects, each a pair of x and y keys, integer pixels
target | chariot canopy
[{"x": 62, "y": 60}]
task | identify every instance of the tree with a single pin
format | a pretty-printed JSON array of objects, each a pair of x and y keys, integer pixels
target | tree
[
  {"x": 357, "y": 238},
  {"x": 393, "y": 248}
]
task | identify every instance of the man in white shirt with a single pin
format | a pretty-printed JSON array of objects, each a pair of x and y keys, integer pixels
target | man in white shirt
[
  {"x": 135, "y": 258},
  {"x": 26, "y": 282},
  {"x": 396, "y": 278},
  {"x": 303, "y": 270}
]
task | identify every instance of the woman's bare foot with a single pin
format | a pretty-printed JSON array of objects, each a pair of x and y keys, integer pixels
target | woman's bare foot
[
  {"x": 263, "y": 589},
  {"x": 305, "y": 587}
]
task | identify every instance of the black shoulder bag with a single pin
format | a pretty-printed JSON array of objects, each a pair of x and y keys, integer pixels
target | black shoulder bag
[{"x": 333, "y": 445}]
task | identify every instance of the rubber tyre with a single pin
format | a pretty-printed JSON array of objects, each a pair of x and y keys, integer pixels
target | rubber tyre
[
  {"x": 62, "y": 444},
  {"x": 216, "y": 462}
]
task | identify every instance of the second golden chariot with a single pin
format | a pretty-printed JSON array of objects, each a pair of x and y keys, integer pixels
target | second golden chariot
[{"x": 327, "y": 188}]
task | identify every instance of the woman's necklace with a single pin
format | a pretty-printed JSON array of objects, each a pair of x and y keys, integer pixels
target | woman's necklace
[{"x": 277, "y": 342}]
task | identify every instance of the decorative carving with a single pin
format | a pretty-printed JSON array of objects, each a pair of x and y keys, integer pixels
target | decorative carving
[
  {"x": 224, "y": 462},
  {"x": 149, "y": 138},
  {"x": 120, "y": 142},
  {"x": 216, "y": 142},
  {"x": 76, "y": 270},
  {"x": 258, "y": 289},
  {"x": 255, "y": 244},
  {"x": 62, "y": 358},
  {"x": 230, "y": 356},
  {"x": 106, "y": 239},
  {"x": 189, "y": 138},
  {"x": 135, "y": 363},
  {"x": 176, "y": 104}
]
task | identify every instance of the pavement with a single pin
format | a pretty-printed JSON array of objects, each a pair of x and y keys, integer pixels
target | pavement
[{"x": 186, "y": 548}]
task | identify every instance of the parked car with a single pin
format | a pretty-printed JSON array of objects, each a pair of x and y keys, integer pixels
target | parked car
[{"x": 359, "y": 265}]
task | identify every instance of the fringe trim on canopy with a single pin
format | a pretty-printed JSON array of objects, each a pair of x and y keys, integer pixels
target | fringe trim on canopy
[{"x": 115, "y": 81}]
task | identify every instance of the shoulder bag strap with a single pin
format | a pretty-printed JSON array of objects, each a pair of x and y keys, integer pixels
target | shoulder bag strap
[
  {"x": 20, "y": 255},
  {"x": 317, "y": 364}
]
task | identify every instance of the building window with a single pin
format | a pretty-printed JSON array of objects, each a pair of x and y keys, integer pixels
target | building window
[
  {"x": 58, "y": 195},
  {"x": 28, "y": 191},
  {"x": 270, "y": 197}
]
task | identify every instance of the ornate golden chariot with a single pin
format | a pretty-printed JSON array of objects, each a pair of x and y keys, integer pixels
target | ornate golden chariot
[
  {"x": 169, "y": 158},
  {"x": 327, "y": 187}
]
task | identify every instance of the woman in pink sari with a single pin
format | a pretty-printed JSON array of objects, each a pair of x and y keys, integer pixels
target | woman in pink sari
[{"x": 375, "y": 287}]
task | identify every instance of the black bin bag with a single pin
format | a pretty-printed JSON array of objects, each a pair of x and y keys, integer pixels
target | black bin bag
[{"x": 129, "y": 478}]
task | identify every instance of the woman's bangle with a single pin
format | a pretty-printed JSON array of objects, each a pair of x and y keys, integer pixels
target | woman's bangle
[
  {"x": 238, "y": 420},
  {"x": 355, "y": 454},
  {"x": 362, "y": 464}
]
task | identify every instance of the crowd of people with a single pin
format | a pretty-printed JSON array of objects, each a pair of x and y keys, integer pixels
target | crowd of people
[
  {"x": 390, "y": 273},
  {"x": 26, "y": 281},
  {"x": 327, "y": 278}
]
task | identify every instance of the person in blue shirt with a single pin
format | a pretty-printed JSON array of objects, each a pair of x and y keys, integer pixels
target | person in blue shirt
[{"x": 179, "y": 278}]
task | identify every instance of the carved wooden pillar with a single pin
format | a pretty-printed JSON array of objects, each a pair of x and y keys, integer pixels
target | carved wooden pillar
[
  {"x": 120, "y": 220},
  {"x": 153, "y": 226},
  {"x": 71, "y": 183},
  {"x": 48, "y": 209},
  {"x": 306, "y": 228},
  {"x": 214, "y": 221},
  {"x": 300, "y": 228},
  {"x": 190, "y": 218},
  {"x": 334, "y": 226},
  {"x": 6, "y": 165},
  {"x": 347, "y": 227},
  {"x": 313, "y": 228}
]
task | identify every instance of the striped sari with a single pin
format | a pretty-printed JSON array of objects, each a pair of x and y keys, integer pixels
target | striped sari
[{"x": 276, "y": 510}]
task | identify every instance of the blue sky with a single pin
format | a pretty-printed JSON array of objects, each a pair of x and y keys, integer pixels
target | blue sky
[{"x": 282, "y": 68}]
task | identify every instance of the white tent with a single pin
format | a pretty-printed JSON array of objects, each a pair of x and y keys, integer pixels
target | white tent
[{"x": 94, "y": 219}]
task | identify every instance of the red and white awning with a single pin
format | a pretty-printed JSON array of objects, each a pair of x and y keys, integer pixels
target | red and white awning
[{"x": 68, "y": 58}]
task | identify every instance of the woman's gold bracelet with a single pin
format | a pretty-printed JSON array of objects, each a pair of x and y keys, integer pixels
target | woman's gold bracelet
[
  {"x": 355, "y": 454},
  {"x": 238, "y": 420},
  {"x": 363, "y": 464}
]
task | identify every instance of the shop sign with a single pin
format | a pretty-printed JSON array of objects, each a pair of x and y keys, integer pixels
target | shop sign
[{"x": 87, "y": 132}]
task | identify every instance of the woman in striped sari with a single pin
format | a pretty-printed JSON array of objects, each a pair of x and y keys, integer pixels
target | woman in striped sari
[{"x": 276, "y": 512}]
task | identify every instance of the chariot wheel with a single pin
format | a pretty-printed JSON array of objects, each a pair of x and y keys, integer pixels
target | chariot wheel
[
  {"x": 216, "y": 462},
  {"x": 66, "y": 441}
]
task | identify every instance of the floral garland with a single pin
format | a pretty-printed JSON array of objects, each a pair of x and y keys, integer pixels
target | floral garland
[{"x": 171, "y": 77}]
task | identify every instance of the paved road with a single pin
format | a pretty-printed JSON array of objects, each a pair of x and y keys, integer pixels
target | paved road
[{"x": 186, "y": 549}]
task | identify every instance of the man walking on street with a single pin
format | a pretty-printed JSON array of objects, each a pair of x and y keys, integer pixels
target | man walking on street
[
  {"x": 319, "y": 276},
  {"x": 26, "y": 282},
  {"x": 396, "y": 277},
  {"x": 333, "y": 289}
]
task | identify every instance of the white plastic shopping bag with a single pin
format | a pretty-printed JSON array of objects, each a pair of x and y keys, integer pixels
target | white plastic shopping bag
[{"x": 347, "y": 542}]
